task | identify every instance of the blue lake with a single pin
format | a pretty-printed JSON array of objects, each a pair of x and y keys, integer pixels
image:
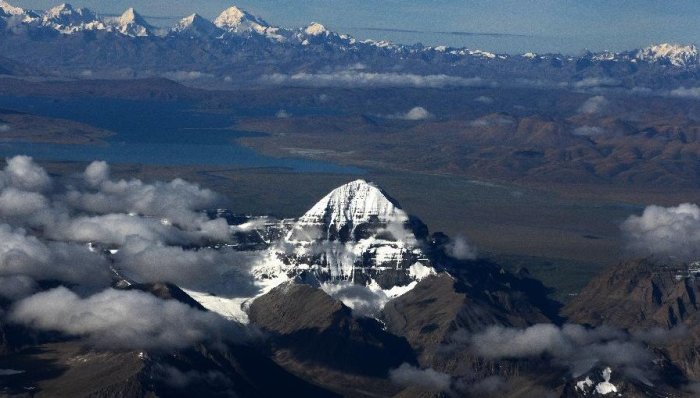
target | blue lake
[{"x": 150, "y": 132}]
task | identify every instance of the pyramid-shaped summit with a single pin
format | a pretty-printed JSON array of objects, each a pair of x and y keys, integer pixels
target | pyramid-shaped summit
[
  {"x": 237, "y": 20},
  {"x": 196, "y": 26},
  {"x": 355, "y": 233},
  {"x": 350, "y": 206},
  {"x": 131, "y": 23}
]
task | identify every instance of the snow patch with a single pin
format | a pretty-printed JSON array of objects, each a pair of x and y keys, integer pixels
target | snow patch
[
  {"x": 581, "y": 385},
  {"x": 235, "y": 308},
  {"x": 605, "y": 387},
  {"x": 673, "y": 54}
]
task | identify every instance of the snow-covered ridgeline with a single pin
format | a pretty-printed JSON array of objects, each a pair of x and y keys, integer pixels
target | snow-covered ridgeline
[{"x": 235, "y": 22}]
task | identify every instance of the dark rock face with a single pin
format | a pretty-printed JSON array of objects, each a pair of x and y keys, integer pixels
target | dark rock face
[
  {"x": 432, "y": 310},
  {"x": 440, "y": 308},
  {"x": 644, "y": 294},
  {"x": 4, "y": 349},
  {"x": 315, "y": 328},
  {"x": 68, "y": 369},
  {"x": 638, "y": 294}
]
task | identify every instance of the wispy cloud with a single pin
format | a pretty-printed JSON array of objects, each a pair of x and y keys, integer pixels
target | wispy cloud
[{"x": 355, "y": 78}]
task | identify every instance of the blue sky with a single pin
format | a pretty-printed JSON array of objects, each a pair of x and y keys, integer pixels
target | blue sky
[{"x": 568, "y": 26}]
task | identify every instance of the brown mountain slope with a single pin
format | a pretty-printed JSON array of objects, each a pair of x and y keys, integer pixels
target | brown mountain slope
[{"x": 641, "y": 295}]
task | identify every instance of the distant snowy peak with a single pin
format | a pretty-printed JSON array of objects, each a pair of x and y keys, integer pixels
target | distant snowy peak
[
  {"x": 236, "y": 21},
  {"x": 196, "y": 26},
  {"x": 131, "y": 23},
  {"x": 670, "y": 54},
  {"x": 315, "y": 29},
  {"x": 66, "y": 19},
  {"x": 317, "y": 34},
  {"x": 355, "y": 203},
  {"x": 8, "y": 9}
]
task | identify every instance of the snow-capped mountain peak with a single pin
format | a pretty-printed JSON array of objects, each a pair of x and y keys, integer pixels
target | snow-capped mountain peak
[
  {"x": 9, "y": 9},
  {"x": 670, "y": 54},
  {"x": 131, "y": 23},
  {"x": 315, "y": 29},
  {"x": 356, "y": 233},
  {"x": 196, "y": 26},
  {"x": 353, "y": 204},
  {"x": 63, "y": 8},
  {"x": 130, "y": 16},
  {"x": 190, "y": 20},
  {"x": 67, "y": 19},
  {"x": 235, "y": 19}
]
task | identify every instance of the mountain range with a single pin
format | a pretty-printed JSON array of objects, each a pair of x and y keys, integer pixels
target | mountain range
[
  {"x": 77, "y": 42},
  {"x": 442, "y": 325}
]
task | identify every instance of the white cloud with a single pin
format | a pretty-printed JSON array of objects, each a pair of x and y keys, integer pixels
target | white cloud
[
  {"x": 97, "y": 209},
  {"x": 683, "y": 92},
  {"x": 363, "y": 300},
  {"x": 492, "y": 121},
  {"x": 22, "y": 173},
  {"x": 16, "y": 203},
  {"x": 182, "y": 75},
  {"x": 461, "y": 249},
  {"x": 203, "y": 269},
  {"x": 595, "y": 104},
  {"x": 282, "y": 114},
  {"x": 96, "y": 173},
  {"x": 484, "y": 99},
  {"x": 429, "y": 379},
  {"x": 354, "y": 78},
  {"x": 416, "y": 113},
  {"x": 124, "y": 319},
  {"x": 25, "y": 255},
  {"x": 594, "y": 82},
  {"x": 671, "y": 231},
  {"x": 573, "y": 346},
  {"x": 588, "y": 131}
]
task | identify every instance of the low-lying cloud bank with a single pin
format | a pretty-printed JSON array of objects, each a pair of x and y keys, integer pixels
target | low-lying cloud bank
[
  {"x": 124, "y": 319},
  {"x": 428, "y": 379},
  {"x": 87, "y": 231},
  {"x": 573, "y": 347},
  {"x": 354, "y": 78}
]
